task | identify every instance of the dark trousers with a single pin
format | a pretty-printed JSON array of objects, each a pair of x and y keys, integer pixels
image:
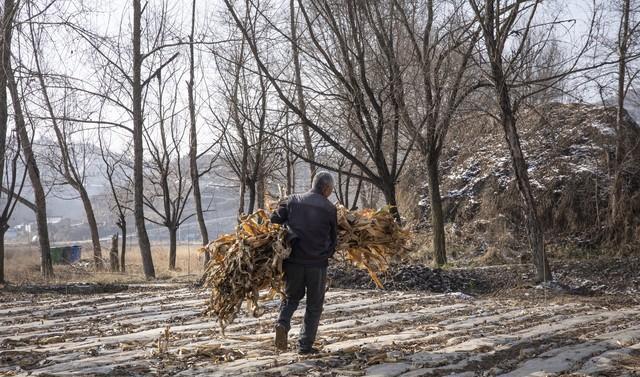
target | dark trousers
[{"x": 298, "y": 279}]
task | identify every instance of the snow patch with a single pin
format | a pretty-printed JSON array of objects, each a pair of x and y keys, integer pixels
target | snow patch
[{"x": 603, "y": 129}]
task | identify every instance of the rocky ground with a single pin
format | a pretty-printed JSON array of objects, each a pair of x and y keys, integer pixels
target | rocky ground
[
  {"x": 613, "y": 277},
  {"x": 485, "y": 322}
]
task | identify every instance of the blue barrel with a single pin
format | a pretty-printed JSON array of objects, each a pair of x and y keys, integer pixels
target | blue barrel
[{"x": 75, "y": 253}]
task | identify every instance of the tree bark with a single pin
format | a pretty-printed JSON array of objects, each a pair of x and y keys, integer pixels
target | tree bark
[
  {"x": 617, "y": 223},
  {"x": 113, "y": 254},
  {"x": 69, "y": 170},
  {"x": 138, "y": 147},
  {"x": 252, "y": 196},
  {"x": 193, "y": 142},
  {"x": 5, "y": 48},
  {"x": 93, "y": 227},
  {"x": 261, "y": 193},
  {"x": 3, "y": 230},
  {"x": 5, "y": 40},
  {"x": 533, "y": 225},
  {"x": 32, "y": 167},
  {"x": 437, "y": 216},
  {"x": 172, "y": 247},
  {"x": 493, "y": 31},
  {"x": 389, "y": 193},
  {"x": 299, "y": 92},
  {"x": 34, "y": 177},
  {"x": 123, "y": 229},
  {"x": 290, "y": 174}
]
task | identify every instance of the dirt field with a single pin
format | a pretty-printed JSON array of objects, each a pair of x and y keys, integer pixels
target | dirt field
[{"x": 158, "y": 330}]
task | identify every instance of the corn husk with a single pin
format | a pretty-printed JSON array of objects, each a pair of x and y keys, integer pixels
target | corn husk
[
  {"x": 243, "y": 264},
  {"x": 370, "y": 239},
  {"x": 250, "y": 260}
]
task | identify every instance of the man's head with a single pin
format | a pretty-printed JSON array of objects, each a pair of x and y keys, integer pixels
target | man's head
[{"x": 323, "y": 183}]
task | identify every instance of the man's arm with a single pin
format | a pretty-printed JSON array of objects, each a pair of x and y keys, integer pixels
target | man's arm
[
  {"x": 281, "y": 215},
  {"x": 333, "y": 235}
]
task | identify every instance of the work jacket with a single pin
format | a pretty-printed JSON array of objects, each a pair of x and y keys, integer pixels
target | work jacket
[{"x": 311, "y": 221}]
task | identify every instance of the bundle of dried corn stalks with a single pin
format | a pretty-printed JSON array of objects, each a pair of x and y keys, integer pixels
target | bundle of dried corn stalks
[
  {"x": 243, "y": 264},
  {"x": 250, "y": 261},
  {"x": 370, "y": 239}
]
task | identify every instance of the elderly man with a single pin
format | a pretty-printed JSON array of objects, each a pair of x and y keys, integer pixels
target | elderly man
[{"x": 311, "y": 220}]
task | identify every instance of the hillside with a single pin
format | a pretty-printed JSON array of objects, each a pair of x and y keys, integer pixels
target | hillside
[{"x": 569, "y": 149}]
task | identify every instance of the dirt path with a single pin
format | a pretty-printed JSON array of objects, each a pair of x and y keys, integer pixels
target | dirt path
[{"x": 161, "y": 332}]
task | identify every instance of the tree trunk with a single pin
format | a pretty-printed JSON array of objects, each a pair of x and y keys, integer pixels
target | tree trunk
[
  {"x": 5, "y": 48},
  {"x": 299, "y": 92},
  {"x": 113, "y": 254},
  {"x": 617, "y": 223},
  {"x": 261, "y": 192},
  {"x": 34, "y": 177},
  {"x": 356, "y": 196},
  {"x": 193, "y": 142},
  {"x": 3, "y": 230},
  {"x": 389, "y": 193},
  {"x": 138, "y": 147},
  {"x": 534, "y": 227},
  {"x": 30, "y": 161},
  {"x": 93, "y": 227},
  {"x": 437, "y": 216},
  {"x": 243, "y": 193},
  {"x": 290, "y": 174},
  {"x": 252, "y": 196},
  {"x": 123, "y": 229},
  {"x": 70, "y": 172},
  {"x": 172, "y": 247}
]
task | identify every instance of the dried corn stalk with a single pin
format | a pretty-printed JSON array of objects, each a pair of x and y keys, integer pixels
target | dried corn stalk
[
  {"x": 370, "y": 239},
  {"x": 243, "y": 264},
  {"x": 250, "y": 260}
]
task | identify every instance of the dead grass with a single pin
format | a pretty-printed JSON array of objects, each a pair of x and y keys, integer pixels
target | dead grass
[{"x": 22, "y": 266}]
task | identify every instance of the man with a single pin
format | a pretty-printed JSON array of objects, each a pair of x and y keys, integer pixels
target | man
[{"x": 311, "y": 220}]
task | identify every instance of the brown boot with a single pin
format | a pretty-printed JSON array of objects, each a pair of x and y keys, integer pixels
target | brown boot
[{"x": 281, "y": 337}]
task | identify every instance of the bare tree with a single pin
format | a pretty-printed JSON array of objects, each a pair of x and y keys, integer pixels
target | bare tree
[
  {"x": 248, "y": 126},
  {"x": 125, "y": 91},
  {"x": 11, "y": 178},
  {"x": 497, "y": 20},
  {"x": 137, "y": 86},
  {"x": 116, "y": 173},
  {"x": 69, "y": 168},
  {"x": 623, "y": 214},
  {"x": 443, "y": 52},
  {"x": 170, "y": 188},
  {"x": 354, "y": 76},
  {"x": 295, "y": 54},
  {"x": 193, "y": 139},
  {"x": 25, "y": 141}
]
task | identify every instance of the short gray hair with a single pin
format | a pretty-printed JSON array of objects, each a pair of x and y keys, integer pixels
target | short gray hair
[{"x": 321, "y": 180}]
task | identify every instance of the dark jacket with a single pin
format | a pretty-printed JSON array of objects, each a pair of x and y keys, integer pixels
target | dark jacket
[{"x": 312, "y": 223}]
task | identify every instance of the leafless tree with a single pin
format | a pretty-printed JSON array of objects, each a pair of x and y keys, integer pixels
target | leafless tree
[
  {"x": 442, "y": 49},
  {"x": 9, "y": 13},
  {"x": 12, "y": 176},
  {"x": 72, "y": 161},
  {"x": 170, "y": 187},
  {"x": 120, "y": 186},
  {"x": 248, "y": 124},
  {"x": 193, "y": 139},
  {"x": 507, "y": 28},
  {"x": 624, "y": 214},
  {"x": 348, "y": 69},
  {"x": 295, "y": 55}
]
